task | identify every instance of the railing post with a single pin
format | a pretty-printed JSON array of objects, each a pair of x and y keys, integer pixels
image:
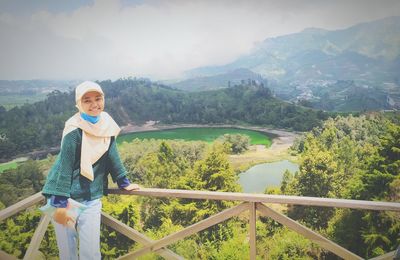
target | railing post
[
  {"x": 136, "y": 236},
  {"x": 5, "y": 256},
  {"x": 308, "y": 233},
  {"x": 37, "y": 237},
  {"x": 252, "y": 220},
  {"x": 190, "y": 230}
]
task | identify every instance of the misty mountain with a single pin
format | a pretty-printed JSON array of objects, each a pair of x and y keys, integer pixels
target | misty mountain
[
  {"x": 224, "y": 80},
  {"x": 367, "y": 54},
  {"x": 372, "y": 44}
]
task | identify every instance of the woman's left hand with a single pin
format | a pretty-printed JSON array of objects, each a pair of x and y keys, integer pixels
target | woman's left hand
[{"x": 132, "y": 186}]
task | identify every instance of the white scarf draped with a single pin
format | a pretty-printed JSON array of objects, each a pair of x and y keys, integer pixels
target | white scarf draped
[{"x": 95, "y": 139}]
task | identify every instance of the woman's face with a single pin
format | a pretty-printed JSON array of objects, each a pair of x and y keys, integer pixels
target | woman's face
[{"x": 92, "y": 103}]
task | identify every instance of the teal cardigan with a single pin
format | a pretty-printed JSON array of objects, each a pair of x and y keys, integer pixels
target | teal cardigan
[{"x": 64, "y": 178}]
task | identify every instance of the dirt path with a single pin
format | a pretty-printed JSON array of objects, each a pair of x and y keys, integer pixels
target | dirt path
[
  {"x": 279, "y": 150},
  {"x": 148, "y": 126}
]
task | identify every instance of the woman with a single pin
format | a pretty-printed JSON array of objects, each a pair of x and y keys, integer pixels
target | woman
[{"x": 88, "y": 154}]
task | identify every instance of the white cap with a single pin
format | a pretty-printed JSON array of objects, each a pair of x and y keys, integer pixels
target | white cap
[
  {"x": 83, "y": 88},
  {"x": 86, "y": 87}
]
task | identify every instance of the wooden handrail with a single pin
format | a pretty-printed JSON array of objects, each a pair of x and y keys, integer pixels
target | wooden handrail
[
  {"x": 263, "y": 198},
  {"x": 21, "y": 205},
  {"x": 229, "y": 196},
  {"x": 5, "y": 256},
  {"x": 252, "y": 202}
]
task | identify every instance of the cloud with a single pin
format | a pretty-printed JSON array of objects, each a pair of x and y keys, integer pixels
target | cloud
[{"x": 160, "y": 39}]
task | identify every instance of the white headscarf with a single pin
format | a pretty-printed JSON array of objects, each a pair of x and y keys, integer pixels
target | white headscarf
[{"x": 95, "y": 137}]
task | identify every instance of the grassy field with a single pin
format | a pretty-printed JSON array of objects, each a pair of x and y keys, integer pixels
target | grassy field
[
  {"x": 256, "y": 155},
  {"x": 207, "y": 134},
  {"x": 6, "y": 166},
  {"x": 10, "y": 101},
  {"x": 11, "y": 164}
]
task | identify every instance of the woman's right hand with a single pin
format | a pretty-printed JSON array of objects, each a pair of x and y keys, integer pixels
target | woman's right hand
[
  {"x": 61, "y": 216},
  {"x": 132, "y": 186}
]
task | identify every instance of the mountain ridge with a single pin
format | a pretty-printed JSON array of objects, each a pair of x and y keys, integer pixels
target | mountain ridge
[
  {"x": 367, "y": 53},
  {"x": 332, "y": 42}
]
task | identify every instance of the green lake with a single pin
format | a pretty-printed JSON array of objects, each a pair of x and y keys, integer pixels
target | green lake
[
  {"x": 207, "y": 134},
  {"x": 259, "y": 177}
]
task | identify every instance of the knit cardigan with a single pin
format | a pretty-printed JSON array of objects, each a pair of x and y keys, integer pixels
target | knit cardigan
[{"x": 64, "y": 178}]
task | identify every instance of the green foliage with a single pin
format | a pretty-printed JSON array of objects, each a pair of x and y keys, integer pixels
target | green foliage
[
  {"x": 168, "y": 164},
  {"x": 161, "y": 169},
  {"x": 384, "y": 166},
  {"x": 40, "y": 125},
  {"x": 207, "y": 134},
  {"x": 20, "y": 229},
  {"x": 273, "y": 190},
  {"x": 355, "y": 158},
  {"x": 380, "y": 232},
  {"x": 214, "y": 171},
  {"x": 243, "y": 103},
  {"x": 168, "y": 169},
  {"x": 186, "y": 248},
  {"x": 347, "y": 157},
  {"x": 178, "y": 166},
  {"x": 17, "y": 184},
  {"x": 126, "y": 210},
  {"x": 315, "y": 177},
  {"x": 236, "y": 143},
  {"x": 6, "y": 166},
  {"x": 345, "y": 227},
  {"x": 165, "y": 167},
  {"x": 34, "y": 126},
  {"x": 235, "y": 246},
  {"x": 286, "y": 244},
  {"x": 286, "y": 179}
]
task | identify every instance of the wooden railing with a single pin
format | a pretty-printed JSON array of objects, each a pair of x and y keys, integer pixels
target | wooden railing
[{"x": 250, "y": 202}]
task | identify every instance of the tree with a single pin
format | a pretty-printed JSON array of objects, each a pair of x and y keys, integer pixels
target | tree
[
  {"x": 17, "y": 184},
  {"x": 236, "y": 143},
  {"x": 286, "y": 244},
  {"x": 356, "y": 158},
  {"x": 314, "y": 179},
  {"x": 126, "y": 210},
  {"x": 215, "y": 173}
]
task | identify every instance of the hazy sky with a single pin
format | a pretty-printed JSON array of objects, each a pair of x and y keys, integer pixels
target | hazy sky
[{"x": 105, "y": 39}]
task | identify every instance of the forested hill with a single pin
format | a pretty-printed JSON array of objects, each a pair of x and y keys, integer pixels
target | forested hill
[{"x": 39, "y": 125}]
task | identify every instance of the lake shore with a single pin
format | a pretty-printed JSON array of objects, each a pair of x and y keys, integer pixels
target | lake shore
[
  {"x": 282, "y": 140},
  {"x": 284, "y": 136}
]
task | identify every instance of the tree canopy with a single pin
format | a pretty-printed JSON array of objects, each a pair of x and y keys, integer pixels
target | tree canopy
[{"x": 40, "y": 125}]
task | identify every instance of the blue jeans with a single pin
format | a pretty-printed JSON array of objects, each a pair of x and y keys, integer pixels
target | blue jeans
[{"x": 88, "y": 234}]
